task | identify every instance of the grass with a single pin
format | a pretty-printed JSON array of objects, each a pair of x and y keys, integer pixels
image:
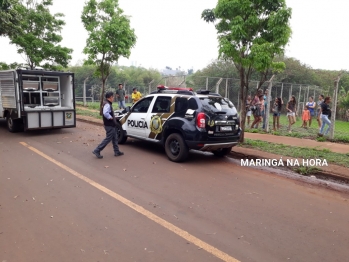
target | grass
[
  {"x": 96, "y": 105},
  {"x": 341, "y": 130},
  {"x": 298, "y": 152},
  {"x": 306, "y": 170},
  {"x": 88, "y": 113}
]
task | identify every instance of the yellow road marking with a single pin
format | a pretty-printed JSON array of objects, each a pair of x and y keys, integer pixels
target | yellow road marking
[{"x": 180, "y": 232}]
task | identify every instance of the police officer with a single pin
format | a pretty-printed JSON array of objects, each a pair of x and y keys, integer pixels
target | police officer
[{"x": 109, "y": 126}]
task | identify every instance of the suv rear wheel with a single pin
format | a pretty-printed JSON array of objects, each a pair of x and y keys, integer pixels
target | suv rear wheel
[
  {"x": 175, "y": 147},
  {"x": 222, "y": 151}
]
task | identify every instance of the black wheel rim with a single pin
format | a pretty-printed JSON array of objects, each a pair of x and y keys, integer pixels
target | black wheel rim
[
  {"x": 10, "y": 123},
  {"x": 175, "y": 147}
]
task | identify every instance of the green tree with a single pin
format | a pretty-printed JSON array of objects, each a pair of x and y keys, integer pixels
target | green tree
[
  {"x": 110, "y": 36},
  {"x": 295, "y": 72},
  {"x": 10, "y": 17},
  {"x": 39, "y": 38},
  {"x": 251, "y": 33},
  {"x": 4, "y": 66}
]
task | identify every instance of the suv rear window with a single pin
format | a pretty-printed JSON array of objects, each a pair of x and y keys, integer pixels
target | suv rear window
[{"x": 218, "y": 104}]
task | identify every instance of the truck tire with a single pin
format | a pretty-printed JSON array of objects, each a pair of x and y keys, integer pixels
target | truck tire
[
  {"x": 222, "y": 152},
  {"x": 13, "y": 125},
  {"x": 176, "y": 148},
  {"x": 121, "y": 134}
]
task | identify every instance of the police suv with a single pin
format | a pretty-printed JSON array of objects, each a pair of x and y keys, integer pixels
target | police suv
[{"x": 180, "y": 120}]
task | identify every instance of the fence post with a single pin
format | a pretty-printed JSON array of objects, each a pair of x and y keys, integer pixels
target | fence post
[
  {"x": 217, "y": 85},
  {"x": 84, "y": 92},
  {"x": 152, "y": 81},
  {"x": 206, "y": 83},
  {"x": 299, "y": 97},
  {"x": 92, "y": 93},
  {"x": 290, "y": 93},
  {"x": 307, "y": 93},
  {"x": 267, "y": 110},
  {"x": 226, "y": 87},
  {"x": 334, "y": 106},
  {"x": 282, "y": 89}
]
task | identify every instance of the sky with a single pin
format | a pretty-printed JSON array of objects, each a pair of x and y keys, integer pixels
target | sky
[{"x": 172, "y": 33}]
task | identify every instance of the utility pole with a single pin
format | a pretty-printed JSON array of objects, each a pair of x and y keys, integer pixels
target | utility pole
[{"x": 226, "y": 87}]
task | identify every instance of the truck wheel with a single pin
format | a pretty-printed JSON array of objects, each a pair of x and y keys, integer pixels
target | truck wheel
[
  {"x": 175, "y": 147},
  {"x": 222, "y": 151},
  {"x": 13, "y": 125},
  {"x": 121, "y": 134}
]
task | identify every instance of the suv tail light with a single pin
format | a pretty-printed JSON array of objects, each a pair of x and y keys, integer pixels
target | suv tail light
[{"x": 201, "y": 120}]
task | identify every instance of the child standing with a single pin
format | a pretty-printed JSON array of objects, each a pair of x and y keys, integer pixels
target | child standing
[{"x": 305, "y": 117}]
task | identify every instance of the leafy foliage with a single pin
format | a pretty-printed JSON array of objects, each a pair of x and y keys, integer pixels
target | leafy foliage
[
  {"x": 39, "y": 36},
  {"x": 129, "y": 76},
  {"x": 10, "y": 17},
  {"x": 110, "y": 36},
  {"x": 251, "y": 33}
]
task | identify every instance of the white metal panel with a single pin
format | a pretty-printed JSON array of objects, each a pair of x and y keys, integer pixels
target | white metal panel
[
  {"x": 33, "y": 120},
  {"x": 1, "y": 108},
  {"x": 46, "y": 119},
  {"x": 58, "y": 119},
  {"x": 8, "y": 91}
]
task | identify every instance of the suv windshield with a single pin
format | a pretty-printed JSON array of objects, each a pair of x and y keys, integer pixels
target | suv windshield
[{"x": 218, "y": 104}]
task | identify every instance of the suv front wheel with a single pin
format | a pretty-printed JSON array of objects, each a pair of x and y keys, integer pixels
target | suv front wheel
[
  {"x": 176, "y": 148},
  {"x": 121, "y": 134},
  {"x": 222, "y": 152}
]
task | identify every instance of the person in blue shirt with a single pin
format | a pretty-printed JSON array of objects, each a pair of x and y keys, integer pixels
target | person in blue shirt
[{"x": 110, "y": 128}]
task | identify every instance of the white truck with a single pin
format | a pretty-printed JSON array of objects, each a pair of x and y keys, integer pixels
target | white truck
[{"x": 37, "y": 99}]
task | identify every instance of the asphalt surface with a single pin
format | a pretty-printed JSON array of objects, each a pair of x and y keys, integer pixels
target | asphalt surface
[{"x": 58, "y": 202}]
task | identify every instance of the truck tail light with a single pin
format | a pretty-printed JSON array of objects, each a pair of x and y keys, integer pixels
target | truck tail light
[{"x": 201, "y": 120}]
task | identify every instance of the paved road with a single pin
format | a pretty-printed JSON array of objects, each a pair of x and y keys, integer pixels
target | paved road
[{"x": 59, "y": 203}]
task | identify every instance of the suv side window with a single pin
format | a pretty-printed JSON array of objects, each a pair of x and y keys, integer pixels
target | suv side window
[
  {"x": 162, "y": 104},
  {"x": 142, "y": 106},
  {"x": 181, "y": 106},
  {"x": 192, "y": 104}
]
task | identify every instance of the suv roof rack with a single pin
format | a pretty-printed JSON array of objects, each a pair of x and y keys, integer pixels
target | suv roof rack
[{"x": 207, "y": 92}]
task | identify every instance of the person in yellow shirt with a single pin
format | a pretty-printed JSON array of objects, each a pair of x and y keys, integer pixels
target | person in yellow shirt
[{"x": 136, "y": 95}]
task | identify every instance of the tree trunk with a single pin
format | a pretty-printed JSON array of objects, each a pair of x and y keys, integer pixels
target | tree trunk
[
  {"x": 102, "y": 97},
  {"x": 243, "y": 92}
]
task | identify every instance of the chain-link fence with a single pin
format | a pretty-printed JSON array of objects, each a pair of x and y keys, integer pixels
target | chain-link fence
[{"x": 230, "y": 88}]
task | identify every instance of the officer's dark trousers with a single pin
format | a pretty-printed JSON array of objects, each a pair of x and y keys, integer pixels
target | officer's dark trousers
[{"x": 112, "y": 136}]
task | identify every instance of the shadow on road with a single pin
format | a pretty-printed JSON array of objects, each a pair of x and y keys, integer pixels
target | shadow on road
[
  {"x": 195, "y": 157},
  {"x": 34, "y": 133}
]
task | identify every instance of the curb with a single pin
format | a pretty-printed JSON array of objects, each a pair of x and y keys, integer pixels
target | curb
[{"x": 331, "y": 171}]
